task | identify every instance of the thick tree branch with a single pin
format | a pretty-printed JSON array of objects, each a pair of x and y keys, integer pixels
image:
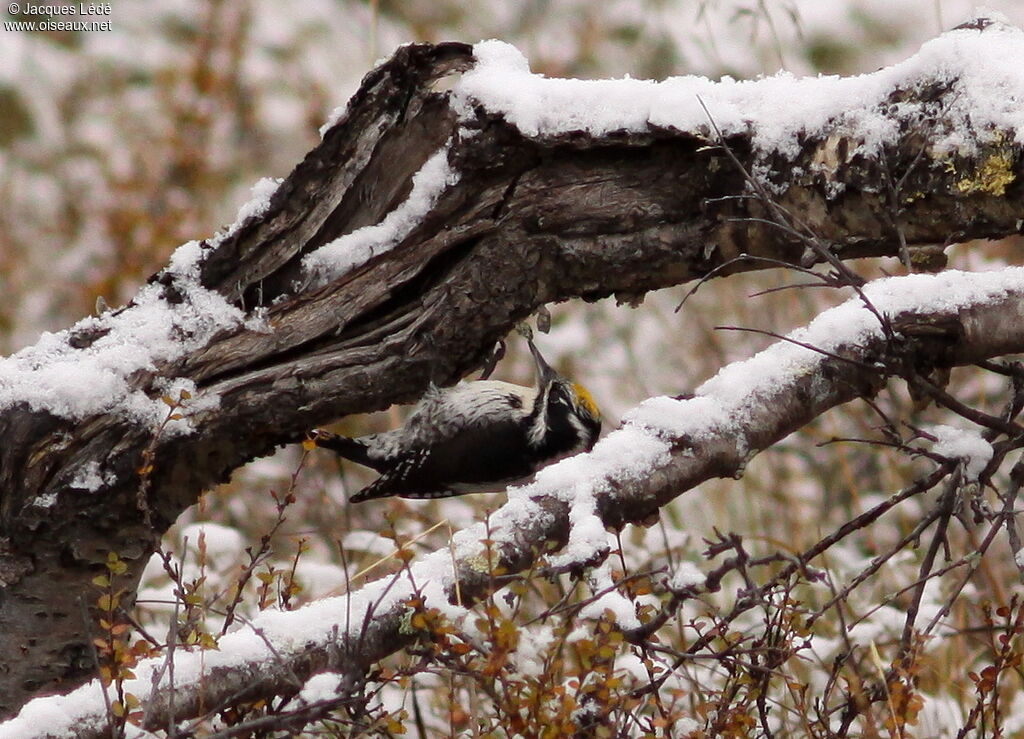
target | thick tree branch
[
  {"x": 524, "y": 217},
  {"x": 665, "y": 448}
]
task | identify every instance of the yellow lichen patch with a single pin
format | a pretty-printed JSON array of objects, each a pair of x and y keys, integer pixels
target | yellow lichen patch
[
  {"x": 993, "y": 176},
  {"x": 483, "y": 561}
]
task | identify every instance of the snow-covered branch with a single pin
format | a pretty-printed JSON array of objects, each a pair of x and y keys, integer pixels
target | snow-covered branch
[
  {"x": 422, "y": 228},
  {"x": 664, "y": 448}
]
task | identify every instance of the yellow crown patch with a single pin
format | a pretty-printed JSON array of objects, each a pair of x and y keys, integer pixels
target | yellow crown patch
[{"x": 586, "y": 401}]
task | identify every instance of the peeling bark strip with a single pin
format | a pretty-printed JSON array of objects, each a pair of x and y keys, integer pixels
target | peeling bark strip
[{"x": 526, "y": 219}]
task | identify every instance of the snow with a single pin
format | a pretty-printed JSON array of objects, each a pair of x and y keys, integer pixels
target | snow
[
  {"x": 630, "y": 453},
  {"x": 321, "y": 687},
  {"x": 588, "y": 539},
  {"x": 723, "y": 404},
  {"x": 258, "y": 204},
  {"x": 288, "y": 632},
  {"x": 622, "y": 609},
  {"x": 532, "y": 650},
  {"x": 46, "y": 500},
  {"x": 368, "y": 541},
  {"x": 221, "y": 545},
  {"x": 356, "y": 248},
  {"x": 722, "y": 407},
  {"x": 964, "y": 444},
  {"x": 885, "y": 623},
  {"x": 685, "y": 726},
  {"x": 698, "y": 417},
  {"x": 185, "y": 260},
  {"x": 88, "y": 477},
  {"x": 74, "y": 383},
  {"x": 686, "y": 575},
  {"x": 332, "y": 119},
  {"x": 980, "y": 66},
  {"x": 319, "y": 579}
]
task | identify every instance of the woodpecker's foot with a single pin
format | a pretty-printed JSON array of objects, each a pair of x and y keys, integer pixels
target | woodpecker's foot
[{"x": 324, "y": 439}]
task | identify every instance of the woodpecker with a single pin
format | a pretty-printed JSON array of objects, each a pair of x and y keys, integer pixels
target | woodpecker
[{"x": 477, "y": 436}]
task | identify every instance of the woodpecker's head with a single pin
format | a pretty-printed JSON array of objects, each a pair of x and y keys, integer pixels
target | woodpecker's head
[{"x": 565, "y": 415}]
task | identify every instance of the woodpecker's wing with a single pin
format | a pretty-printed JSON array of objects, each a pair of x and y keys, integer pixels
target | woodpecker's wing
[
  {"x": 475, "y": 459},
  {"x": 464, "y": 439}
]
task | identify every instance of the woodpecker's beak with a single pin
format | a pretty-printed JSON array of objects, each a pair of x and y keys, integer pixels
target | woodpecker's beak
[{"x": 544, "y": 372}]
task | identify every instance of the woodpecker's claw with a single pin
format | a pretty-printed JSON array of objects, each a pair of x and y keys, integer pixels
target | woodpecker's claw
[{"x": 492, "y": 361}]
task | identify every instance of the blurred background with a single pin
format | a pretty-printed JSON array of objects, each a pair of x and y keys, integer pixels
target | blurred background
[{"x": 116, "y": 146}]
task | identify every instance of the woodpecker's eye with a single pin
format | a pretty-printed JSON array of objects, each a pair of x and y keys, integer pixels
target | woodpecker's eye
[{"x": 560, "y": 394}]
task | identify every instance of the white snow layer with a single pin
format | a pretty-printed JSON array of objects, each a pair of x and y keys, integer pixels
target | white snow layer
[
  {"x": 722, "y": 404},
  {"x": 256, "y": 205},
  {"x": 74, "y": 383},
  {"x": 321, "y": 687},
  {"x": 966, "y": 445},
  {"x": 610, "y": 600},
  {"x": 987, "y": 85},
  {"x": 354, "y": 249},
  {"x": 686, "y": 575},
  {"x": 986, "y": 92},
  {"x": 722, "y": 407}
]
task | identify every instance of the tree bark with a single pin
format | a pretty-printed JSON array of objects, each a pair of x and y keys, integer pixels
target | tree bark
[
  {"x": 637, "y": 470},
  {"x": 531, "y": 220}
]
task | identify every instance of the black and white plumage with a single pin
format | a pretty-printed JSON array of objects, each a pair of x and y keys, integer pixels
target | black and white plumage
[{"x": 475, "y": 437}]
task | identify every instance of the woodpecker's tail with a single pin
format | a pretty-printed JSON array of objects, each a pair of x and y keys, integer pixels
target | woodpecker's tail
[
  {"x": 343, "y": 446},
  {"x": 391, "y": 483}
]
